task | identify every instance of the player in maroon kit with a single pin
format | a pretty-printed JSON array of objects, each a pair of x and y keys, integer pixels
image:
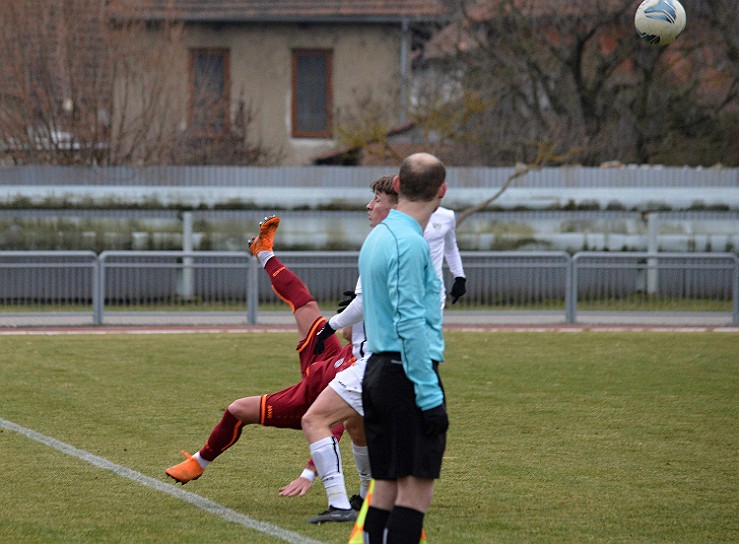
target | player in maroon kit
[{"x": 284, "y": 408}]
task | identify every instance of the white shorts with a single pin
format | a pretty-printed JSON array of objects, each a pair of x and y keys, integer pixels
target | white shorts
[{"x": 348, "y": 384}]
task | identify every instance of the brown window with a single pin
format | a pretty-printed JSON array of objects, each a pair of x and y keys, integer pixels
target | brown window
[
  {"x": 209, "y": 91},
  {"x": 312, "y": 93}
]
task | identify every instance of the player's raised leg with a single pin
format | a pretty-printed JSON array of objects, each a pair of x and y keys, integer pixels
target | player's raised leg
[{"x": 285, "y": 283}]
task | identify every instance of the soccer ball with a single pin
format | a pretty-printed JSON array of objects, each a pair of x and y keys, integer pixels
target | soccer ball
[{"x": 659, "y": 22}]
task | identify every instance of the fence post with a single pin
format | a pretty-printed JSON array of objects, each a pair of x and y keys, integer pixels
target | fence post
[
  {"x": 98, "y": 290},
  {"x": 571, "y": 291},
  {"x": 252, "y": 290},
  {"x": 187, "y": 286},
  {"x": 735, "y": 297},
  {"x": 652, "y": 247}
]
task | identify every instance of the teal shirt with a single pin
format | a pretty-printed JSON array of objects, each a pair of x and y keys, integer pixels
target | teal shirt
[{"x": 400, "y": 292}]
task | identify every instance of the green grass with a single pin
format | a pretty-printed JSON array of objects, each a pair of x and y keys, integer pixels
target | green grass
[
  {"x": 555, "y": 437},
  {"x": 631, "y": 303}
]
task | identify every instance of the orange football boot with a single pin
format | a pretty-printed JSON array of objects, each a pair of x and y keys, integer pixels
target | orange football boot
[
  {"x": 265, "y": 240},
  {"x": 187, "y": 470}
]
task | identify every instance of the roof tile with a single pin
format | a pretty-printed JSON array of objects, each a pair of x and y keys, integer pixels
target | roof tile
[{"x": 278, "y": 10}]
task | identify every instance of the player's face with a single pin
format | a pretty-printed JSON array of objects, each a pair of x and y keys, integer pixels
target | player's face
[{"x": 378, "y": 208}]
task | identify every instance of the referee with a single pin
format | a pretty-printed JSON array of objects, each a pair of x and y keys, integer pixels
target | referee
[{"x": 404, "y": 407}]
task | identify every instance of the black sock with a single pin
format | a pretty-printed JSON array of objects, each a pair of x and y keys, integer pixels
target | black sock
[
  {"x": 404, "y": 526},
  {"x": 374, "y": 524}
]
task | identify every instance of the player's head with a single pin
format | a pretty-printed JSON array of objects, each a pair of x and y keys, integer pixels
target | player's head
[
  {"x": 422, "y": 177},
  {"x": 384, "y": 199}
]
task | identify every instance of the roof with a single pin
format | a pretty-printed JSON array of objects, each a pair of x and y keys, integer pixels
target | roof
[
  {"x": 241, "y": 11},
  {"x": 481, "y": 10}
]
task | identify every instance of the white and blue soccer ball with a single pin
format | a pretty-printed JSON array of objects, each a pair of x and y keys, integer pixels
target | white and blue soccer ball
[{"x": 659, "y": 22}]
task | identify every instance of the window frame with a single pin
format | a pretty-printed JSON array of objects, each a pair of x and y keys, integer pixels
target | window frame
[
  {"x": 224, "y": 53},
  {"x": 327, "y": 132}
]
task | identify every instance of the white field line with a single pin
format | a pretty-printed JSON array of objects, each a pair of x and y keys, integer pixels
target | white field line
[{"x": 196, "y": 500}]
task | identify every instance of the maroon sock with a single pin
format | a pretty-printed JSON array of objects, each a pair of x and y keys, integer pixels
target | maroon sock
[
  {"x": 338, "y": 431},
  {"x": 287, "y": 285},
  {"x": 223, "y": 436}
]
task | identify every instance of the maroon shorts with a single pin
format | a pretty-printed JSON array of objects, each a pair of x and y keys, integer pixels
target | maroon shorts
[{"x": 286, "y": 408}]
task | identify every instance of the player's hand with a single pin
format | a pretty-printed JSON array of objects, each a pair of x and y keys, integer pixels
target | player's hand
[
  {"x": 344, "y": 303},
  {"x": 321, "y": 337},
  {"x": 459, "y": 288},
  {"x": 297, "y": 488},
  {"x": 435, "y": 420}
]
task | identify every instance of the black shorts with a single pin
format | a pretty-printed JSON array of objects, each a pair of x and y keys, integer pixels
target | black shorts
[{"x": 392, "y": 423}]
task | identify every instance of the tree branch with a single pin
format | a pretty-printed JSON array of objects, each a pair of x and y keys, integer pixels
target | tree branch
[{"x": 545, "y": 154}]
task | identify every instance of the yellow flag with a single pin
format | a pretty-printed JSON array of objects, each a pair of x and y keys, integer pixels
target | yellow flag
[{"x": 358, "y": 530}]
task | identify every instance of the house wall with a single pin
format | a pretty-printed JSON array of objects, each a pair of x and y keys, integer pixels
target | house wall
[{"x": 365, "y": 65}]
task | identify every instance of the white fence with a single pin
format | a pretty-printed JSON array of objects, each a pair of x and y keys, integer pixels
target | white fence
[{"x": 195, "y": 186}]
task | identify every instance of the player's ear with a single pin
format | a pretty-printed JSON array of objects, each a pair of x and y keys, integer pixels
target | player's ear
[
  {"x": 396, "y": 183},
  {"x": 442, "y": 190}
]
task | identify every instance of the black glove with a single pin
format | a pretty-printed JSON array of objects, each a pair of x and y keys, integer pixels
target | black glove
[
  {"x": 459, "y": 288},
  {"x": 321, "y": 337},
  {"x": 435, "y": 420},
  {"x": 344, "y": 303}
]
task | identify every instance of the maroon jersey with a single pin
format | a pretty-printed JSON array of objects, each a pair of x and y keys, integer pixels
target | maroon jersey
[{"x": 286, "y": 408}]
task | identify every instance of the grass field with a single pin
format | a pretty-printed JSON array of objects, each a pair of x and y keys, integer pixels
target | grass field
[
  {"x": 555, "y": 437},
  {"x": 632, "y": 303}
]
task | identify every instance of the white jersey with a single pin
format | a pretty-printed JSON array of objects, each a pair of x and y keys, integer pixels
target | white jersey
[
  {"x": 348, "y": 383},
  {"x": 441, "y": 235},
  {"x": 352, "y": 317}
]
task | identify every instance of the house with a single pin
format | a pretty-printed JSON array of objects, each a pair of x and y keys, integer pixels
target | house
[{"x": 300, "y": 68}]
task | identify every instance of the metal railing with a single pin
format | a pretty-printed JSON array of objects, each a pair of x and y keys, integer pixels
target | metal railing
[
  {"x": 50, "y": 281},
  {"x": 611, "y": 287},
  {"x": 175, "y": 281},
  {"x": 670, "y": 283}
]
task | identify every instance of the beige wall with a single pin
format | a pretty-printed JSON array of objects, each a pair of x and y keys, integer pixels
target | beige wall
[{"x": 366, "y": 63}]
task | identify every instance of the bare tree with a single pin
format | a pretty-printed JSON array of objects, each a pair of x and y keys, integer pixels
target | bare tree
[
  {"x": 92, "y": 83},
  {"x": 574, "y": 73},
  {"x": 78, "y": 90}
]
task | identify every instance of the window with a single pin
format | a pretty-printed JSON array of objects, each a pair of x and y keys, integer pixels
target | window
[
  {"x": 312, "y": 94},
  {"x": 209, "y": 91}
]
